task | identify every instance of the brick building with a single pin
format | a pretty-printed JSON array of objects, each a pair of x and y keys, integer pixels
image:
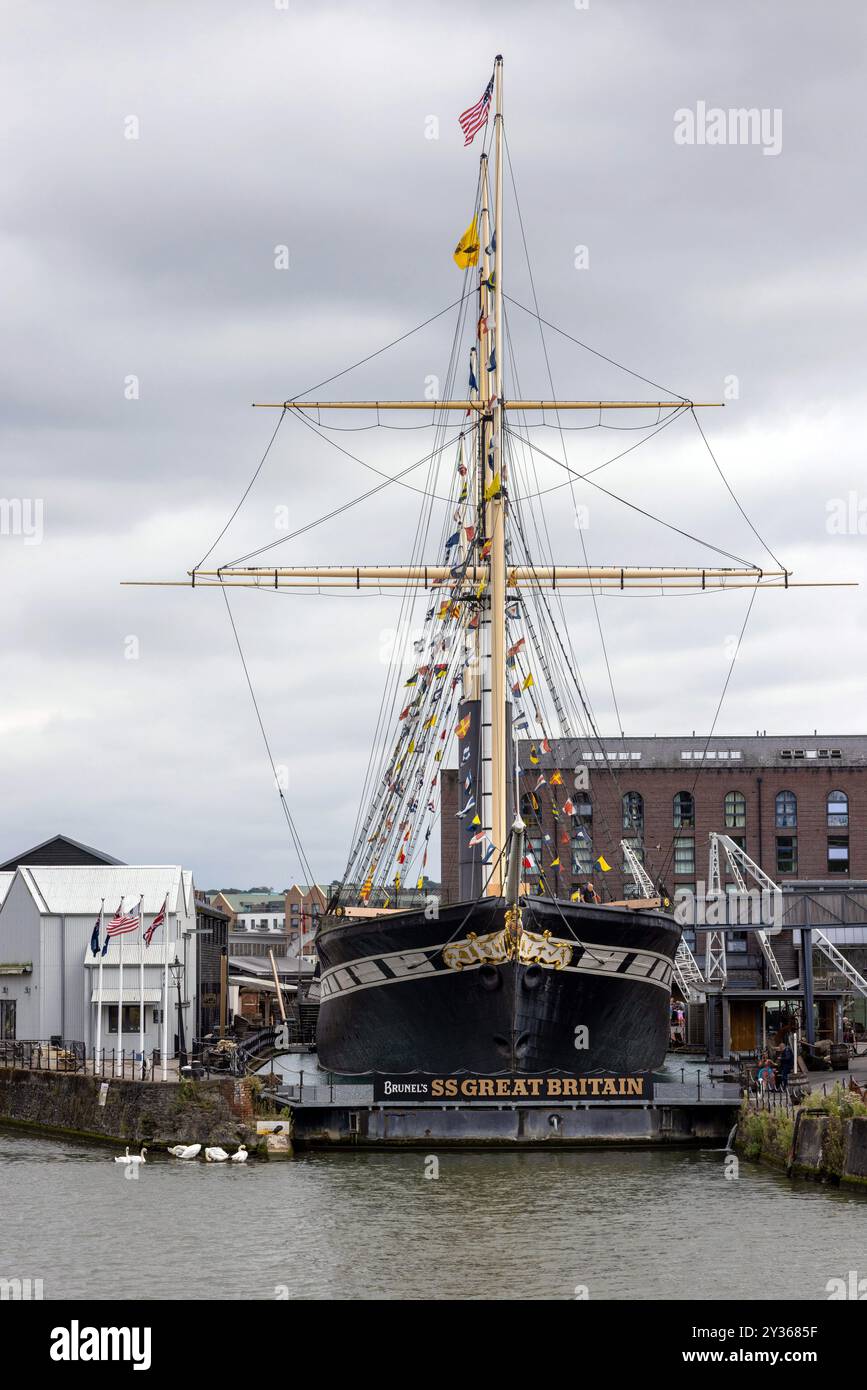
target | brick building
[
  {"x": 305, "y": 902},
  {"x": 797, "y": 805}
]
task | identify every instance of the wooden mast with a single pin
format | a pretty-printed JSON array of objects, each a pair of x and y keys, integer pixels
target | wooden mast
[
  {"x": 492, "y": 579},
  {"x": 495, "y": 529}
]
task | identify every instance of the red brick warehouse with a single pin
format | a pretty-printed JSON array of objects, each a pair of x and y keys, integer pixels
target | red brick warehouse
[{"x": 797, "y": 805}]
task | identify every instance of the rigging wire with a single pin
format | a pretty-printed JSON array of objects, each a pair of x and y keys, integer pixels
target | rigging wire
[
  {"x": 670, "y": 854},
  {"x": 633, "y": 506},
  {"x": 293, "y": 831},
  {"x": 577, "y": 341},
  {"x": 344, "y": 507},
  {"x": 245, "y": 493},
  {"x": 379, "y": 351},
  {"x": 759, "y": 538},
  {"x": 360, "y": 363}
]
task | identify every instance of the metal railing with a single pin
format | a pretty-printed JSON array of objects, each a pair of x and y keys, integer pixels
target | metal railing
[
  {"x": 120, "y": 1063},
  {"x": 42, "y": 1054}
]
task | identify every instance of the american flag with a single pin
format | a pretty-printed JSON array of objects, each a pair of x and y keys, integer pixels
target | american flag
[
  {"x": 123, "y": 922},
  {"x": 157, "y": 922},
  {"x": 476, "y": 116}
]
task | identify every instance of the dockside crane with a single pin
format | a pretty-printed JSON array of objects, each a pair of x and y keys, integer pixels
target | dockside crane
[{"x": 687, "y": 971}]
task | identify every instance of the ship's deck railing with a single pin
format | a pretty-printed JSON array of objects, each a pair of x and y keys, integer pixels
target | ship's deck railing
[{"x": 700, "y": 1091}]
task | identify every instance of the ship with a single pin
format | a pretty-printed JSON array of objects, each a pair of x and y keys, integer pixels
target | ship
[{"x": 515, "y": 976}]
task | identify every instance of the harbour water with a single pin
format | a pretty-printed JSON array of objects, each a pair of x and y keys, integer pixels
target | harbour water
[{"x": 623, "y": 1225}]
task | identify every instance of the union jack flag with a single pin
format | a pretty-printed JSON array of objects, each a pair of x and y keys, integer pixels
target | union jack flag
[
  {"x": 123, "y": 922},
  {"x": 157, "y": 922},
  {"x": 476, "y": 116}
]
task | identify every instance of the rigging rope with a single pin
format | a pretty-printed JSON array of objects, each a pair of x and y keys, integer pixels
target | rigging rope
[{"x": 293, "y": 832}]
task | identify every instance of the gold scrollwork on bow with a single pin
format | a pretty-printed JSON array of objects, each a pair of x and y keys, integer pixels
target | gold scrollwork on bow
[
  {"x": 543, "y": 950},
  {"x": 513, "y": 942},
  {"x": 494, "y": 948}
]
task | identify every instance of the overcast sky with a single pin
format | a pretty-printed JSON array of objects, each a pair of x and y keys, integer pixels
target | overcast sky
[{"x": 154, "y": 257}]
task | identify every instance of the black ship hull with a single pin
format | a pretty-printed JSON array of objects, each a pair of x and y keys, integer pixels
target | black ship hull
[{"x": 577, "y": 988}]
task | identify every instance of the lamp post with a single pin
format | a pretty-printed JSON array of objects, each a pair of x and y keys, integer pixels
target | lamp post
[{"x": 177, "y": 971}]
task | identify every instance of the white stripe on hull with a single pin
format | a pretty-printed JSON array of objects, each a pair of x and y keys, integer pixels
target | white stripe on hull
[{"x": 648, "y": 967}]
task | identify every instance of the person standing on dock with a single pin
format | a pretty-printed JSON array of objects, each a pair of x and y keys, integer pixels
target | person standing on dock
[
  {"x": 766, "y": 1077},
  {"x": 787, "y": 1061}
]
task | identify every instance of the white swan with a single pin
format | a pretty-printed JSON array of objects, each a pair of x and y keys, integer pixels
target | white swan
[
  {"x": 186, "y": 1150},
  {"x": 215, "y": 1155},
  {"x": 133, "y": 1158},
  {"x": 241, "y": 1156}
]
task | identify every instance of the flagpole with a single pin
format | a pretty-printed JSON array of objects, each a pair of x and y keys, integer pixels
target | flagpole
[
  {"x": 120, "y": 996},
  {"x": 99, "y": 984},
  {"x": 165, "y": 1060},
  {"x": 141, "y": 979}
]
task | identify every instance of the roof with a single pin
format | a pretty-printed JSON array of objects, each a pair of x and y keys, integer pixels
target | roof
[
  {"x": 77, "y": 890},
  {"x": 131, "y": 995},
  {"x": 60, "y": 849},
  {"x": 249, "y": 902},
  {"x": 260, "y": 966},
  {"x": 685, "y": 752},
  {"x": 5, "y": 884},
  {"x": 156, "y": 955}
]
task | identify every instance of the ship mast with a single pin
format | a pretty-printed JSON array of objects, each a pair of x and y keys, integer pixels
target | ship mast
[
  {"x": 486, "y": 579},
  {"x": 495, "y": 530}
]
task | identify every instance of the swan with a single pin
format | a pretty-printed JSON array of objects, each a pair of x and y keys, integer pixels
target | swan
[
  {"x": 186, "y": 1150},
  {"x": 216, "y": 1155},
  {"x": 133, "y": 1158},
  {"x": 241, "y": 1156}
]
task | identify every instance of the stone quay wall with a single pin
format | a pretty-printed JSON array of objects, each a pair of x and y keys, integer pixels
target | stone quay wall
[{"x": 129, "y": 1112}]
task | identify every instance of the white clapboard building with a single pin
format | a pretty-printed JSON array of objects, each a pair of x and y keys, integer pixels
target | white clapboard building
[{"x": 49, "y": 976}]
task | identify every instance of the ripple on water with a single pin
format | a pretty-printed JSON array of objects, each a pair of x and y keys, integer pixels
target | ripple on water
[{"x": 645, "y": 1224}]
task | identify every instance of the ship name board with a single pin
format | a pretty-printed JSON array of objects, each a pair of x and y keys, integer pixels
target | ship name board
[{"x": 429, "y": 1087}]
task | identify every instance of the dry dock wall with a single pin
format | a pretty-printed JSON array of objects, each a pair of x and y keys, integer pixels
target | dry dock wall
[
  {"x": 491, "y": 1126},
  {"x": 821, "y": 1147},
  {"x": 134, "y": 1112}
]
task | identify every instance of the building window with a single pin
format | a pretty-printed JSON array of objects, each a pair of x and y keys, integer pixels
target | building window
[
  {"x": 633, "y": 812},
  {"x": 737, "y": 941},
  {"x": 582, "y": 852},
  {"x": 735, "y": 810},
  {"x": 787, "y": 854},
  {"x": 838, "y": 854},
  {"x": 684, "y": 811},
  {"x": 787, "y": 810},
  {"x": 582, "y": 835},
  {"x": 533, "y": 852},
  {"x": 838, "y": 809},
  {"x": 684, "y": 855},
  {"x": 130, "y": 1017}
]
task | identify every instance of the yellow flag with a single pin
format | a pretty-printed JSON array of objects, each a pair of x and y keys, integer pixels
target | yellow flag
[
  {"x": 467, "y": 249},
  {"x": 527, "y": 682},
  {"x": 606, "y": 868},
  {"x": 493, "y": 488}
]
